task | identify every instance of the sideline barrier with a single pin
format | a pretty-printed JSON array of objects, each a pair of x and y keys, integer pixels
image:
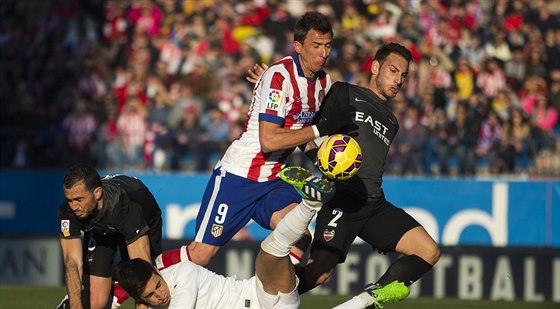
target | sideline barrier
[
  {"x": 489, "y": 212},
  {"x": 464, "y": 272}
]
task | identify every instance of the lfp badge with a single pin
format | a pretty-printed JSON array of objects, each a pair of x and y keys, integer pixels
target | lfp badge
[{"x": 273, "y": 101}]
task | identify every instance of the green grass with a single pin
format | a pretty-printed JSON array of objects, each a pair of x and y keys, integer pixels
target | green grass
[{"x": 37, "y": 297}]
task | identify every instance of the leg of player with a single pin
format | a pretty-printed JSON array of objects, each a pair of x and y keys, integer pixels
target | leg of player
[
  {"x": 420, "y": 253},
  {"x": 201, "y": 253},
  {"x": 100, "y": 290},
  {"x": 119, "y": 296},
  {"x": 299, "y": 248},
  {"x": 273, "y": 267},
  {"x": 300, "y": 177}
]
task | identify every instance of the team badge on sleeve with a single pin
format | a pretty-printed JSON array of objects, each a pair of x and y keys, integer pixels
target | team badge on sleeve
[
  {"x": 65, "y": 227},
  {"x": 217, "y": 230},
  {"x": 273, "y": 101}
]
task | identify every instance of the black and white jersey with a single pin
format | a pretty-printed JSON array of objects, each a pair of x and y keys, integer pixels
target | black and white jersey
[
  {"x": 129, "y": 209},
  {"x": 376, "y": 129}
]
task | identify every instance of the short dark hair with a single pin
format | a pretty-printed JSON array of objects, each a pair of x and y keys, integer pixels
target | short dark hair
[
  {"x": 390, "y": 48},
  {"x": 133, "y": 275},
  {"x": 84, "y": 173},
  {"x": 312, "y": 20}
]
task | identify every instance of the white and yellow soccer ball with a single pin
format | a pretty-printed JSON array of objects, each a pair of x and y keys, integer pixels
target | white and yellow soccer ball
[{"x": 339, "y": 157}]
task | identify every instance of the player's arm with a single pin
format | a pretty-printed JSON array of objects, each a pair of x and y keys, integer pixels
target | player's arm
[
  {"x": 274, "y": 137},
  {"x": 255, "y": 72},
  {"x": 72, "y": 255},
  {"x": 140, "y": 248}
]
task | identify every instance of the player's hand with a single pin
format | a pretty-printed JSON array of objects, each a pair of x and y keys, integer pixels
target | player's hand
[
  {"x": 340, "y": 121},
  {"x": 255, "y": 72}
]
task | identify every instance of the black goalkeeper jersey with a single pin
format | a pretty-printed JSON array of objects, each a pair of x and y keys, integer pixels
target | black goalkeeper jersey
[
  {"x": 129, "y": 209},
  {"x": 376, "y": 129}
]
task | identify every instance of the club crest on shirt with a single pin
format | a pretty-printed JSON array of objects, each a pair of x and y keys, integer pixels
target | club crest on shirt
[
  {"x": 65, "y": 227},
  {"x": 328, "y": 235},
  {"x": 217, "y": 230},
  {"x": 273, "y": 101}
]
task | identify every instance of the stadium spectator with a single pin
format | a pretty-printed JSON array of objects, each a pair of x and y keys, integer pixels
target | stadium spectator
[
  {"x": 498, "y": 48},
  {"x": 462, "y": 138},
  {"x": 516, "y": 69},
  {"x": 436, "y": 151},
  {"x": 489, "y": 140},
  {"x": 464, "y": 78},
  {"x": 81, "y": 128},
  {"x": 185, "y": 139},
  {"x": 543, "y": 117},
  {"x": 97, "y": 47},
  {"x": 516, "y": 146},
  {"x": 131, "y": 129},
  {"x": 491, "y": 79},
  {"x": 214, "y": 138},
  {"x": 410, "y": 143}
]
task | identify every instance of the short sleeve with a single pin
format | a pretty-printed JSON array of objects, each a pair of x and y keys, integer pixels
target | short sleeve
[
  {"x": 273, "y": 95},
  {"x": 69, "y": 225},
  {"x": 129, "y": 221}
]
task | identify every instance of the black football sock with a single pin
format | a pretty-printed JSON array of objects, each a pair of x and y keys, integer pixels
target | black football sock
[{"x": 406, "y": 269}]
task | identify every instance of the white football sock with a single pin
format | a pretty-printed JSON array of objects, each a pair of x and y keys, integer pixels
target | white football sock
[
  {"x": 288, "y": 231},
  {"x": 359, "y": 301}
]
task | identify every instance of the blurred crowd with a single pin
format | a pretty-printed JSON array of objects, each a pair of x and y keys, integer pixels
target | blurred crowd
[{"x": 160, "y": 84}]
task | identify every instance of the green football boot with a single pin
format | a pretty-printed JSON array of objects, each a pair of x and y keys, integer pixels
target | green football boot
[
  {"x": 390, "y": 293},
  {"x": 310, "y": 187}
]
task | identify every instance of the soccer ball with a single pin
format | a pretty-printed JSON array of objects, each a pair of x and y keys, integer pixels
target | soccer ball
[{"x": 339, "y": 157}]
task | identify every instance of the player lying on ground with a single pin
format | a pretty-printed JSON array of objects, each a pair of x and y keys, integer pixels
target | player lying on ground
[{"x": 187, "y": 285}]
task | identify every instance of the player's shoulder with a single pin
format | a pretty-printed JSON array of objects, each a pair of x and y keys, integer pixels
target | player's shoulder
[
  {"x": 283, "y": 66},
  {"x": 344, "y": 87},
  {"x": 119, "y": 178},
  {"x": 180, "y": 270},
  {"x": 341, "y": 85},
  {"x": 64, "y": 209}
]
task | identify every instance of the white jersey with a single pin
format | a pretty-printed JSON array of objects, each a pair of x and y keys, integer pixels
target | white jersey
[
  {"x": 193, "y": 286},
  {"x": 284, "y": 96}
]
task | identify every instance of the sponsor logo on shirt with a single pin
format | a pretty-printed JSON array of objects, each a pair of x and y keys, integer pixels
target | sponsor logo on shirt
[
  {"x": 303, "y": 117},
  {"x": 273, "y": 101},
  {"x": 328, "y": 235},
  {"x": 65, "y": 227},
  {"x": 379, "y": 129},
  {"x": 217, "y": 230}
]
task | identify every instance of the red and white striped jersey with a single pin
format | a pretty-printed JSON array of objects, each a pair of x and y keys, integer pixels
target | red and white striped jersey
[{"x": 284, "y": 96}]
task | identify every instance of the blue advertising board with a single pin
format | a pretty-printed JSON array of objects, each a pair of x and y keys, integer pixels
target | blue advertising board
[{"x": 493, "y": 212}]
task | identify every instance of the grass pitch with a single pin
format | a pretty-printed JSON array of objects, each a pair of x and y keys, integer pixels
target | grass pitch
[{"x": 38, "y": 297}]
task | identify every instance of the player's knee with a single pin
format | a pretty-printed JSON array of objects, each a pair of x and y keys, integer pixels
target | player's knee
[
  {"x": 321, "y": 278},
  {"x": 430, "y": 252},
  {"x": 434, "y": 254},
  {"x": 318, "y": 273}
]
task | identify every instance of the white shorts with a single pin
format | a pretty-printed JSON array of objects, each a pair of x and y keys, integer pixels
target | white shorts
[{"x": 281, "y": 300}]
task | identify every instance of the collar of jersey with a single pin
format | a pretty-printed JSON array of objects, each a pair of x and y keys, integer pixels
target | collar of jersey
[{"x": 319, "y": 74}]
